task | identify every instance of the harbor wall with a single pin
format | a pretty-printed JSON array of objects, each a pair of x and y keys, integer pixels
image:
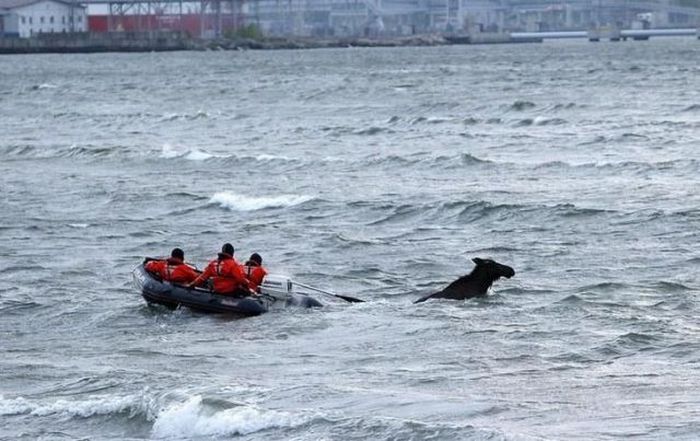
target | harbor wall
[{"x": 89, "y": 42}]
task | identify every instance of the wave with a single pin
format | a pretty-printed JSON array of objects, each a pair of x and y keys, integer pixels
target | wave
[
  {"x": 461, "y": 212},
  {"x": 17, "y": 307},
  {"x": 88, "y": 151},
  {"x": 525, "y": 122},
  {"x": 100, "y": 405},
  {"x": 571, "y": 210},
  {"x": 347, "y": 241},
  {"x": 603, "y": 287},
  {"x": 598, "y": 139},
  {"x": 496, "y": 249},
  {"x": 194, "y": 417},
  {"x": 460, "y": 160},
  {"x": 18, "y": 151},
  {"x": 540, "y": 121},
  {"x": 405, "y": 86},
  {"x": 636, "y": 339},
  {"x": 266, "y": 157},
  {"x": 475, "y": 210},
  {"x": 185, "y": 116},
  {"x": 396, "y": 160},
  {"x": 44, "y": 86},
  {"x": 449, "y": 161},
  {"x": 521, "y": 105},
  {"x": 185, "y": 195},
  {"x": 202, "y": 418},
  {"x": 571, "y": 298},
  {"x": 398, "y": 213},
  {"x": 199, "y": 418},
  {"x": 371, "y": 131},
  {"x": 238, "y": 202},
  {"x": 689, "y": 213},
  {"x": 623, "y": 138},
  {"x": 632, "y": 137},
  {"x": 689, "y": 165},
  {"x": 9, "y": 269},
  {"x": 569, "y": 105},
  {"x": 389, "y": 428},
  {"x": 543, "y": 121},
  {"x": 670, "y": 287},
  {"x": 432, "y": 120},
  {"x": 692, "y": 108},
  {"x": 168, "y": 152}
]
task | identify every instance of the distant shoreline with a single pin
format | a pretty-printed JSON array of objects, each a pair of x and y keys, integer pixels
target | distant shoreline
[
  {"x": 177, "y": 41},
  {"x": 93, "y": 42}
]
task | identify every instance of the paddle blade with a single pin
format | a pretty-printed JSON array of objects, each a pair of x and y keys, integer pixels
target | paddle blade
[
  {"x": 328, "y": 293},
  {"x": 349, "y": 299}
]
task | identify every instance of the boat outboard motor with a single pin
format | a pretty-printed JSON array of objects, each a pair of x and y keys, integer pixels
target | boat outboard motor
[
  {"x": 279, "y": 287},
  {"x": 282, "y": 289}
]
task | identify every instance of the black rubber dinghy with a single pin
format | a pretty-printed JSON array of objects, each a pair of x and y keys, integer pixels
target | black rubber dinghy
[{"x": 156, "y": 291}]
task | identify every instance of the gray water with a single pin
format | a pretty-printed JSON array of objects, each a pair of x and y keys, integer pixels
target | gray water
[{"x": 375, "y": 173}]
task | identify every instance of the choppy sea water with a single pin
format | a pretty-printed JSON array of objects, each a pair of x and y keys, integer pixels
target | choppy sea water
[{"x": 375, "y": 173}]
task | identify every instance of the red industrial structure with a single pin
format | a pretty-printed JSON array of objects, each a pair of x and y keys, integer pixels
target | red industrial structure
[
  {"x": 210, "y": 18},
  {"x": 193, "y": 24}
]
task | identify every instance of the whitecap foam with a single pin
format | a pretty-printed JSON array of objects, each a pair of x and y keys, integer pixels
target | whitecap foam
[
  {"x": 238, "y": 202},
  {"x": 199, "y": 114},
  {"x": 438, "y": 119},
  {"x": 103, "y": 405},
  {"x": 268, "y": 157},
  {"x": 15, "y": 406},
  {"x": 86, "y": 408},
  {"x": 170, "y": 117},
  {"x": 198, "y": 155},
  {"x": 169, "y": 152},
  {"x": 545, "y": 121},
  {"x": 192, "y": 419}
]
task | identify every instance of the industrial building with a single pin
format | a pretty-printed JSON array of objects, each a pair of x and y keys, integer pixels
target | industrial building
[
  {"x": 402, "y": 17},
  {"x": 24, "y": 18},
  {"x": 340, "y": 18}
]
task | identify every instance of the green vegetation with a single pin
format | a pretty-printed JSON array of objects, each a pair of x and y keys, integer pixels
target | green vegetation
[{"x": 251, "y": 31}]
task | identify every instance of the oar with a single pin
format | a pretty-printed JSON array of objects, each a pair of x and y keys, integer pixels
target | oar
[{"x": 346, "y": 298}]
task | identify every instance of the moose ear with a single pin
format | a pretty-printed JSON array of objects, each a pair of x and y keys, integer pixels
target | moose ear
[{"x": 477, "y": 260}]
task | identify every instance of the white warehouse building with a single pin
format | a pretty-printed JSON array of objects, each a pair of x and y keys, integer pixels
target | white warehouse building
[{"x": 24, "y": 18}]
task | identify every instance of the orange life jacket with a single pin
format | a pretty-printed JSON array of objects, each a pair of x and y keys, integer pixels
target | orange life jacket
[
  {"x": 172, "y": 270},
  {"x": 226, "y": 274},
  {"x": 255, "y": 274}
]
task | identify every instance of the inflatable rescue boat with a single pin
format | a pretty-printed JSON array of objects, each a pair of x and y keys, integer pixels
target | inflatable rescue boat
[{"x": 274, "y": 290}]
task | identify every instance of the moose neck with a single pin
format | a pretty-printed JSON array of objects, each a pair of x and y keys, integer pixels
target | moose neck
[{"x": 482, "y": 279}]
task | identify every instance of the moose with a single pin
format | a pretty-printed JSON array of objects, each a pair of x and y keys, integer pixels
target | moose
[{"x": 474, "y": 284}]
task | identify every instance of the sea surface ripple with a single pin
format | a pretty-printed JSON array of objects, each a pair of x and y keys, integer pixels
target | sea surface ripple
[{"x": 376, "y": 173}]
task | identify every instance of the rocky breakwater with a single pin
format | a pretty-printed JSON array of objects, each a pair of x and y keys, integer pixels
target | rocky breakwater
[{"x": 315, "y": 43}]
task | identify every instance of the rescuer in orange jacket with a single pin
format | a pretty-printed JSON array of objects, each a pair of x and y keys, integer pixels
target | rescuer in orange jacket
[
  {"x": 226, "y": 274},
  {"x": 254, "y": 271},
  {"x": 173, "y": 269}
]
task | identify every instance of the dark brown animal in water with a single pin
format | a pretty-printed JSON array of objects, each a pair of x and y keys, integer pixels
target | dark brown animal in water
[{"x": 474, "y": 284}]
